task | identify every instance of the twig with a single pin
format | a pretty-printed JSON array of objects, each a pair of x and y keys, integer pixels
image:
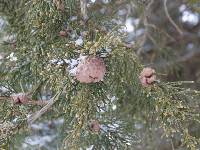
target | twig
[
  {"x": 40, "y": 102},
  {"x": 188, "y": 56},
  {"x": 83, "y": 5},
  {"x": 145, "y": 22},
  {"x": 31, "y": 102},
  {"x": 172, "y": 144},
  {"x": 39, "y": 113},
  {"x": 160, "y": 30},
  {"x": 170, "y": 19}
]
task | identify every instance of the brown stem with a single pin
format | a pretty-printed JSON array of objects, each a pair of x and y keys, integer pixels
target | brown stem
[
  {"x": 170, "y": 19},
  {"x": 83, "y": 5},
  {"x": 30, "y": 102}
]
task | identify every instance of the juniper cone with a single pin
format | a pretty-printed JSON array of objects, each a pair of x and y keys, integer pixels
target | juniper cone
[
  {"x": 83, "y": 63},
  {"x": 94, "y": 126},
  {"x": 63, "y": 33},
  {"x": 20, "y": 98}
]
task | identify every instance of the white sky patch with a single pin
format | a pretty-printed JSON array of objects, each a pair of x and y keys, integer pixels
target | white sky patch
[
  {"x": 190, "y": 46},
  {"x": 79, "y": 41},
  {"x": 138, "y": 126},
  {"x": 107, "y": 51},
  {"x": 114, "y": 107},
  {"x": 106, "y": 1},
  {"x": 113, "y": 98},
  {"x": 73, "y": 35},
  {"x": 190, "y": 17},
  {"x": 12, "y": 57},
  {"x": 129, "y": 27},
  {"x": 37, "y": 140},
  {"x": 139, "y": 32},
  {"x": 2, "y": 22},
  {"x": 128, "y": 143},
  {"x": 73, "y": 18},
  {"x": 90, "y": 148},
  {"x": 10, "y": 38},
  {"x": 72, "y": 63},
  {"x": 117, "y": 21},
  {"x": 136, "y": 21},
  {"x": 182, "y": 8},
  {"x": 3, "y": 89},
  {"x": 1, "y": 56},
  {"x": 15, "y": 120},
  {"x": 122, "y": 12}
]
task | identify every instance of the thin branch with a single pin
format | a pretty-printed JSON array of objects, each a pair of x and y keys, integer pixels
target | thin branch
[
  {"x": 172, "y": 144},
  {"x": 145, "y": 22},
  {"x": 31, "y": 102},
  {"x": 39, "y": 113},
  {"x": 182, "y": 59},
  {"x": 170, "y": 19},
  {"x": 83, "y": 5},
  {"x": 154, "y": 27}
]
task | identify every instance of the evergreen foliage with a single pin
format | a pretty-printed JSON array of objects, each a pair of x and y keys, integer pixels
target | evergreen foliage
[{"x": 39, "y": 61}]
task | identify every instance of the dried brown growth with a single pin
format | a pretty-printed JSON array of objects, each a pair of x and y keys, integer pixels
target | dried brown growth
[
  {"x": 59, "y": 4},
  {"x": 91, "y": 70},
  {"x": 147, "y": 77},
  {"x": 20, "y": 98},
  {"x": 94, "y": 126}
]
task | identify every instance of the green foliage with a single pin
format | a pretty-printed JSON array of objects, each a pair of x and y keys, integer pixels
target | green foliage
[{"x": 35, "y": 26}]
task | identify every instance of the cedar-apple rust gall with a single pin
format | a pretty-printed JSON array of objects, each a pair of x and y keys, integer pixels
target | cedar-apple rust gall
[
  {"x": 147, "y": 76},
  {"x": 91, "y": 70}
]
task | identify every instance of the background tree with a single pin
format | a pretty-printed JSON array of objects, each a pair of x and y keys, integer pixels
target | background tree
[{"x": 81, "y": 61}]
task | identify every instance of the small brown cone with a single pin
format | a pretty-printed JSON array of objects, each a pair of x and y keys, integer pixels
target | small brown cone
[
  {"x": 59, "y": 4},
  {"x": 20, "y": 98},
  {"x": 62, "y": 33},
  {"x": 95, "y": 126}
]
